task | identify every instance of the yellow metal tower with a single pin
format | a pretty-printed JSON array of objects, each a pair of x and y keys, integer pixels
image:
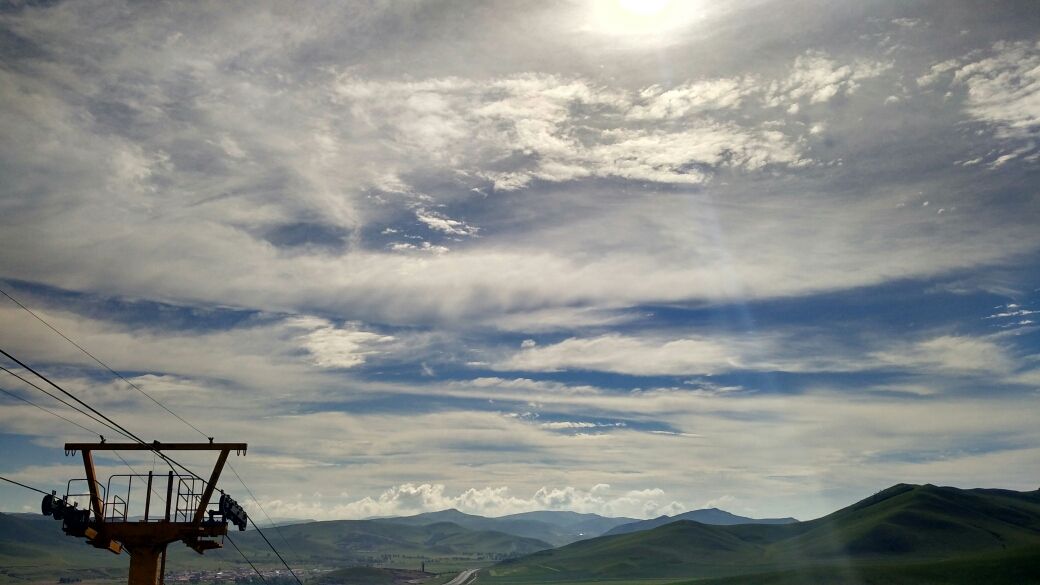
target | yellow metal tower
[{"x": 106, "y": 523}]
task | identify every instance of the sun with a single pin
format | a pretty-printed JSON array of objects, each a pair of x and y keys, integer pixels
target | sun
[
  {"x": 643, "y": 7},
  {"x": 642, "y": 19}
]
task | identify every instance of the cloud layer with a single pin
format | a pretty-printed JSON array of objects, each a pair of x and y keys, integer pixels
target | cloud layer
[{"x": 504, "y": 258}]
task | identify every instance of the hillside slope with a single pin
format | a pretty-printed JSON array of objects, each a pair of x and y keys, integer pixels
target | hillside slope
[
  {"x": 555, "y": 527},
  {"x": 577, "y": 524},
  {"x": 713, "y": 516},
  {"x": 925, "y": 526},
  {"x": 33, "y": 547}
]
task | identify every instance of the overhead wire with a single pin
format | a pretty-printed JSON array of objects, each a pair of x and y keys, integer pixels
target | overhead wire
[
  {"x": 169, "y": 460},
  {"x": 104, "y": 420},
  {"x": 114, "y": 424},
  {"x": 164, "y": 407},
  {"x": 72, "y": 422},
  {"x": 65, "y": 402},
  {"x": 262, "y": 510},
  {"x": 51, "y": 412},
  {"x": 227, "y": 537},
  {"x": 28, "y": 487},
  {"x": 99, "y": 362}
]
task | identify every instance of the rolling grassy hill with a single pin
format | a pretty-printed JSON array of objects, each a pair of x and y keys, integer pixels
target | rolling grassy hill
[
  {"x": 370, "y": 576},
  {"x": 33, "y": 547},
  {"x": 556, "y": 528},
  {"x": 712, "y": 516},
  {"x": 903, "y": 535},
  {"x": 936, "y": 533},
  {"x": 575, "y": 525}
]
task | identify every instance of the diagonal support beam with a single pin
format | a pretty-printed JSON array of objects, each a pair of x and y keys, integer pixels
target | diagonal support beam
[
  {"x": 212, "y": 485},
  {"x": 95, "y": 497}
]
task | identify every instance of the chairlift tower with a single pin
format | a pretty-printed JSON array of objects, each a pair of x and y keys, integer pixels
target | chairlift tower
[{"x": 106, "y": 521}]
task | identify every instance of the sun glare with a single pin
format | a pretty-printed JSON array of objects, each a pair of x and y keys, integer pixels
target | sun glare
[
  {"x": 643, "y": 7},
  {"x": 641, "y": 18}
]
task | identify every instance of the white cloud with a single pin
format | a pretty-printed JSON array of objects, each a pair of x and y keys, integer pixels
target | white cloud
[
  {"x": 421, "y": 247},
  {"x": 950, "y": 354},
  {"x": 436, "y": 221},
  {"x": 615, "y": 353},
  {"x": 907, "y": 22},
  {"x": 722, "y": 502},
  {"x": 346, "y": 147},
  {"x": 937, "y": 72},
  {"x": 338, "y": 347},
  {"x": 692, "y": 98},
  {"x": 564, "y": 425},
  {"x": 819, "y": 78},
  {"x": 683, "y": 354},
  {"x": 146, "y": 158},
  {"x": 474, "y": 125},
  {"x": 1002, "y": 88},
  {"x": 410, "y": 498},
  {"x": 573, "y": 425},
  {"x": 536, "y": 385}
]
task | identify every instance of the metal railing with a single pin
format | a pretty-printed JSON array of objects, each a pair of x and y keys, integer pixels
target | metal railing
[{"x": 120, "y": 503}]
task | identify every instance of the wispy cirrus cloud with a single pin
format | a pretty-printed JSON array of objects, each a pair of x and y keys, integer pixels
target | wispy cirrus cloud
[
  {"x": 433, "y": 254},
  {"x": 408, "y": 499},
  {"x": 1001, "y": 87},
  {"x": 556, "y": 129}
]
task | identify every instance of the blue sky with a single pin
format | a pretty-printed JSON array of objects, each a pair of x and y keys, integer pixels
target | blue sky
[{"x": 621, "y": 258}]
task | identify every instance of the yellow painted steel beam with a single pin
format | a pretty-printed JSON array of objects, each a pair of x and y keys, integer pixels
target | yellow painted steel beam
[{"x": 155, "y": 446}]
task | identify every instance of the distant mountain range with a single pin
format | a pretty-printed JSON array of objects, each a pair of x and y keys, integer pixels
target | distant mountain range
[
  {"x": 560, "y": 527},
  {"x": 33, "y": 548},
  {"x": 906, "y": 534},
  {"x": 713, "y": 516},
  {"x": 555, "y": 527},
  {"x": 35, "y": 544}
]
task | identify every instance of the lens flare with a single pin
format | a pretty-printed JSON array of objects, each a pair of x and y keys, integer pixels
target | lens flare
[
  {"x": 643, "y": 19},
  {"x": 643, "y": 7}
]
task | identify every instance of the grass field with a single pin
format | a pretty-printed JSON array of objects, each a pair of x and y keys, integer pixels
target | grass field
[
  {"x": 34, "y": 549},
  {"x": 906, "y": 534}
]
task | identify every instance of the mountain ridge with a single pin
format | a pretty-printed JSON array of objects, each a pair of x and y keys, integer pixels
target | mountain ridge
[
  {"x": 924, "y": 525},
  {"x": 712, "y": 516},
  {"x": 555, "y": 527}
]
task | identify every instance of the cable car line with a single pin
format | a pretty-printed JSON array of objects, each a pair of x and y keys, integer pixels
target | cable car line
[
  {"x": 164, "y": 407},
  {"x": 72, "y": 396},
  {"x": 169, "y": 460},
  {"x": 91, "y": 431},
  {"x": 257, "y": 571},
  {"x": 66, "y": 403},
  {"x": 99, "y": 362},
  {"x": 51, "y": 412},
  {"x": 28, "y": 487}
]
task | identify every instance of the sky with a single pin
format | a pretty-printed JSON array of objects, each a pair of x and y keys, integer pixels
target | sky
[{"x": 630, "y": 258}]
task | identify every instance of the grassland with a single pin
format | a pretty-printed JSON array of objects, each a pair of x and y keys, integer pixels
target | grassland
[
  {"x": 33, "y": 548},
  {"x": 906, "y": 534}
]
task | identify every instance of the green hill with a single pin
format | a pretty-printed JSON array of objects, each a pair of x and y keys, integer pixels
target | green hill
[
  {"x": 917, "y": 530},
  {"x": 712, "y": 516},
  {"x": 33, "y": 547},
  {"x": 371, "y": 576},
  {"x": 555, "y": 527},
  {"x": 366, "y": 542}
]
